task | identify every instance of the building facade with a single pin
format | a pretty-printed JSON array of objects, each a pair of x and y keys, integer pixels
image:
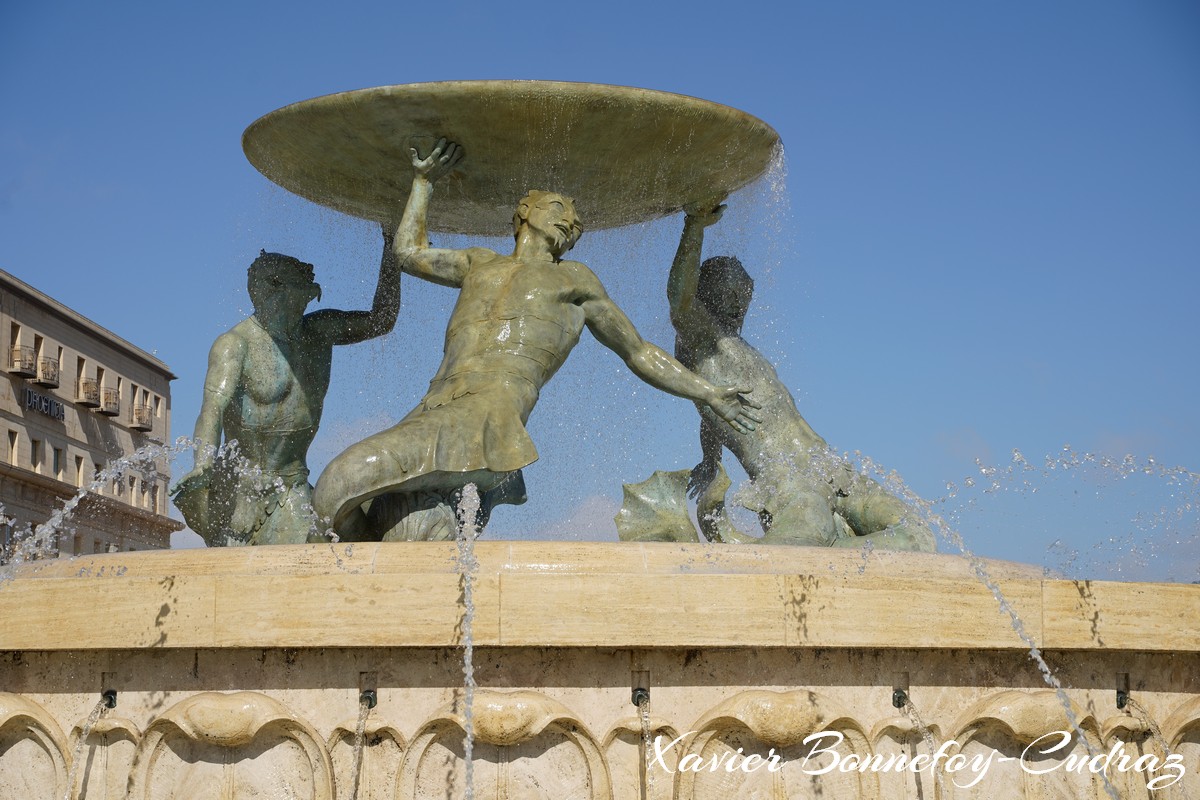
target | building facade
[{"x": 75, "y": 400}]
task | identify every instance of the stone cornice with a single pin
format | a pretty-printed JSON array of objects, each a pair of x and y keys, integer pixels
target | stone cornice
[
  {"x": 10, "y": 283},
  {"x": 591, "y": 594}
]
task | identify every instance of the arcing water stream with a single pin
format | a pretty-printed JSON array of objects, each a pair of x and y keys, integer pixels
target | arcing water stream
[
  {"x": 365, "y": 703},
  {"x": 81, "y": 744},
  {"x": 468, "y": 565}
]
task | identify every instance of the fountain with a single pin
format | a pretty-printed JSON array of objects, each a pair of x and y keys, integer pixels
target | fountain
[{"x": 775, "y": 671}]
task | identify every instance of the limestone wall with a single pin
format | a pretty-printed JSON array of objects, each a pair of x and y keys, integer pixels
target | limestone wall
[{"x": 238, "y": 674}]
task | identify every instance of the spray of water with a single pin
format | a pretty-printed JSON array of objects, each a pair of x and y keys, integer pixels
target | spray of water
[
  {"x": 30, "y": 542},
  {"x": 1156, "y": 735},
  {"x": 86, "y": 731},
  {"x": 926, "y": 736},
  {"x": 468, "y": 565},
  {"x": 819, "y": 467},
  {"x": 925, "y": 509},
  {"x": 360, "y": 737},
  {"x": 645, "y": 779}
]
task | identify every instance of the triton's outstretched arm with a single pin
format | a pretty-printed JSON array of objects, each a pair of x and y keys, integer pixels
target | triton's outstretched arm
[
  {"x": 684, "y": 279},
  {"x": 613, "y": 329}
]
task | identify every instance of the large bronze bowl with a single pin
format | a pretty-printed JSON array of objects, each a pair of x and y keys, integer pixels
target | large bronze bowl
[{"x": 626, "y": 155}]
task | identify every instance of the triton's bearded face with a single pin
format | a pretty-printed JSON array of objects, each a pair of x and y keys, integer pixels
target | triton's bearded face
[{"x": 553, "y": 215}]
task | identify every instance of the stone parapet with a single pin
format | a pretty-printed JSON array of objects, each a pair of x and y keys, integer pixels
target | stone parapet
[{"x": 243, "y": 668}]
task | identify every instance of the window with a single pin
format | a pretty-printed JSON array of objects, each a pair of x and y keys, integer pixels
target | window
[
  {"x": 154, "y": 498},
  {"x": 21, "y": 359},
  {"x": 158, "y": 406},
  {"x": 35, "y": 455},
  {"x": 58, "y": 463},
  {"x": 12, "y": 447},
  {"x": 96, "y": 470},
  {"x": 79, "y": 471}
]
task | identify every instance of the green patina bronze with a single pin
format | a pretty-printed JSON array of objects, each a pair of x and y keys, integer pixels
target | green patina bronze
[
  {"x": 265, "y": 390},
  {"x": 802, "y": 492},
  {"x": 629, "y": 154},
  {"x": 517, "y": 318}
]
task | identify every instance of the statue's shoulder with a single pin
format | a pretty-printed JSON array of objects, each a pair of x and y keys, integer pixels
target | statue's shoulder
[
  {"x": 581, "y": 278},
  {"x": 579, "y": 269},
  {"x": 481, "y": 254},
  {"x": 476, "y": 258},
  {"x": 237, "y": 337}
]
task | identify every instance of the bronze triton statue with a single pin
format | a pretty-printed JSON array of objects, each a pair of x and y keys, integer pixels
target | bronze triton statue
[
  {"x": 806, "y": 495},
  {"x": 517, "y": 319},
  {"x": 265, "y": 389}
]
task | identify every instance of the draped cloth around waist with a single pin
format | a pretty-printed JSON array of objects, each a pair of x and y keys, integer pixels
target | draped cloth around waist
[{"x": 470, "y": 422}]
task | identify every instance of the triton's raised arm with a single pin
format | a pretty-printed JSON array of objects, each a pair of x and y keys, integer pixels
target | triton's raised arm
[
  {"x": 411, "y": 245},
  {"x": 683, "y": 282},
  {"x": 349, "y": 327}
]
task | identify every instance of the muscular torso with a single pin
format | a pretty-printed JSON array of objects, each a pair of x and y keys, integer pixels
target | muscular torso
[
  {"x": 515, "y": 318},
  {"x": 279, "y": 397},
  {"x": 783, "y": 438}
]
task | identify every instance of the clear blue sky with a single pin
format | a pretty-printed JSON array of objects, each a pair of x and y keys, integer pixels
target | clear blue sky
[{"x": 988, "y": 240}]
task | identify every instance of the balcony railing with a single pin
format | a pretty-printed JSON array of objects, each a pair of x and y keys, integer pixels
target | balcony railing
[
  {"x": 110, "y": 402},
  {"x": 87, "y": 392},
  {"x": 24, "y": 361},
  {"x": 142, "y": 418},
  {"x": 48, "y": 372}
]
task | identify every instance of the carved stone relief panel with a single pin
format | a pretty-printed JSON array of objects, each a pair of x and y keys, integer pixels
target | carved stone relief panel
[
  {"x": 897, "y": 741},
  {"x": 627, "y": 763},
  {"x": 527, "y": 746},
  {"x": 230, "y": 746},
  {"x": 1181, "y": 729},
  {"x": 1018, "y": 745},
  {"x": 753, "y": 745},
  {"x": 34, "y": 760},
  {"x": 379, "y": 762},
  {"x": 105, "y": 758}
]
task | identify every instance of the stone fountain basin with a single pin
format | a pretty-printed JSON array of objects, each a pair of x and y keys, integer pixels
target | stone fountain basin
[
  {"x": 247, "y": 663},
  {"x": 624, "y": 154},
  {"x": 572, "y": 595}
]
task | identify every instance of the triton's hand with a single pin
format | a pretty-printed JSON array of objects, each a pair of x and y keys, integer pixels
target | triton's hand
[
  {"x": 701, "y": 478},
  {"x": 198, "y": 478},
  {"x": 444, "y": 157},
  {"x": 734, "y": 407},
  {"x": 706, "y": 212}
]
